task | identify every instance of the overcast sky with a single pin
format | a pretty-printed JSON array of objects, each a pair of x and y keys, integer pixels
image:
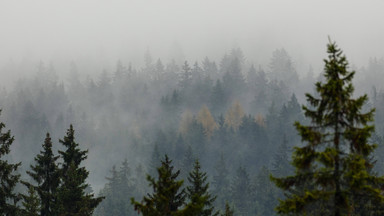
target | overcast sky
[{"x": 108, "y": 30}]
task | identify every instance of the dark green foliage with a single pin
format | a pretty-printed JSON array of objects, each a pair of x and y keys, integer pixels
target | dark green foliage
[
  {"x": 31, "y": 203},
  {"x": 8, "y": 176},
  {"x": 46, "y": 174},
  {"x": 167, "y": 197},
  {"x": 200, "y": 199},
  {"x": 72, "y": 197},
  {"x": 333, "y": 168}
]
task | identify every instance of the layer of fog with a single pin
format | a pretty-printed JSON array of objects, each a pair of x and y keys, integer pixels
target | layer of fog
[{"x": 95, "y": 34}]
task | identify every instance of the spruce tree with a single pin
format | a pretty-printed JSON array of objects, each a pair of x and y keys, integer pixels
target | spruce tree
[
  {"x": 45, "y": 173},
  {"x": 8, "y": 176},
  {"x": 31, "y": 203},
  {"x": 167, "y": 197},
  {"x": 332, "y": 168},
  {"x": 201, "y": 200},
  {"x": 72, "y": 198}
]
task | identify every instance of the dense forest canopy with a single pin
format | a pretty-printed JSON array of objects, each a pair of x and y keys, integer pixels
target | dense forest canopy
[
  {"x": 237, "y": 120},
  {"x": 191, "y": 107}
]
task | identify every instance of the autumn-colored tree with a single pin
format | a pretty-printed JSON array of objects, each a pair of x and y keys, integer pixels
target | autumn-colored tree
[
  {"x": 185, "y": 122},
  {"x": 204, "y": 117},
  {"x": 234, "y": 116}
]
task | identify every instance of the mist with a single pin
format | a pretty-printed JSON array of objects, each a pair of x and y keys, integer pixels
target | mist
[
  {"x": 218, "y": 81},
  {"x": 101, "y": 32}
]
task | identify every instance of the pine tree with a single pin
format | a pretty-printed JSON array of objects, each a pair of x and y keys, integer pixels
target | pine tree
[
  {"x": 73, "y": 199},
  {"x": 8, "y": 177},
  {"x": 201, "y": 201},
  {"x": 31, "y": 203},
  {"x": 334, "y": 164},
  {"x": 167, "y": 197},
  {"x": 45, "y": 173}
]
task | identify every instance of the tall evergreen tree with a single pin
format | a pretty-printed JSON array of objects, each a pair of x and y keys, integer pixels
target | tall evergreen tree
[
  {"x": 45, "y": 173},
  {"x": 201, "y": 201},
  {"x": 167, "y": 197},
  {"x": 334, "y": 162},
  {"x": 8, "y": 176},
  {"x": 72, "y": 196}
]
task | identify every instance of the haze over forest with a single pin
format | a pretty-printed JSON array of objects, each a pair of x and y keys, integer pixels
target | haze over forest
[
  {"x": 218, "y": 81},
  {"x": 95, "y": 34}
]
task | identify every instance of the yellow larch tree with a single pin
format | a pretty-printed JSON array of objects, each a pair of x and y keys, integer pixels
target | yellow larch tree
[
  {"x": 234, "y": 116},
  {"x": 185, "y": 122},
  {"x": 204, "y": 117}
]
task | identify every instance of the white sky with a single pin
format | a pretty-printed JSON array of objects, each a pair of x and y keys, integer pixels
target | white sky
[{"x": 108, "y": 30}]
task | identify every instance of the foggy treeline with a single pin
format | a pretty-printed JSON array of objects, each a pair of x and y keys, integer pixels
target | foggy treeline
[{"x": 236, "y": 118}]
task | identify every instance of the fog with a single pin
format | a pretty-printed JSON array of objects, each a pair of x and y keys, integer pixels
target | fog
[
  {"x": 103, "y": 32},
  {"x": 221, "y": 81}
]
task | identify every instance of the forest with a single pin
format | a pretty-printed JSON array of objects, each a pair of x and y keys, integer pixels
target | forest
[{"x": 220, "y": 138}]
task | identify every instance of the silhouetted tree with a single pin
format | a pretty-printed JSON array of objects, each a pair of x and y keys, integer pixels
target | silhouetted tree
[
  {"x": 72, "y": 196},
  {"x": 201, "y": 200},
  {"x": 167, "y": 197},
  {"x": 46, "y": 174},
  {"x": 8, "y": 176}
]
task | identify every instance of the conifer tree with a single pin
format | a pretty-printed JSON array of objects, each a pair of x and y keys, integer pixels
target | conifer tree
[
  {"x": 201, "y": 201},
  {"x": 334, "y": 163},
  {"x": 8, "y": 177},
  {"x": 167, "y": 197},
  {"x": 31, "y": 203},
  {"x": 45, "y": 173},
  {"x": 72, "y": 198}
]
